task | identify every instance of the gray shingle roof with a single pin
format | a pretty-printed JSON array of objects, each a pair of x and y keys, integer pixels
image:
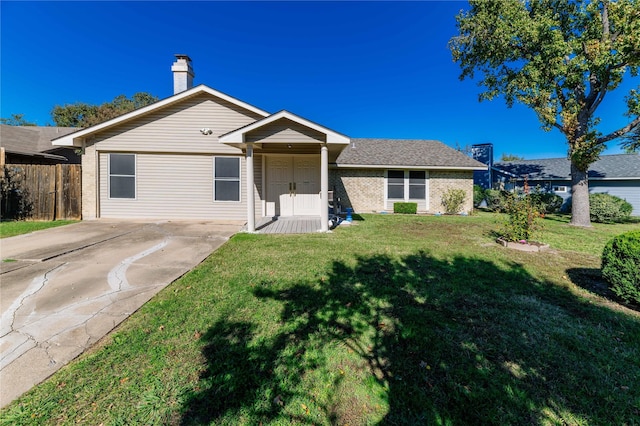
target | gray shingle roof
[
  {"x": 618, "y": 166},
  {"x": 30, "y": 139},
  {"x": 405, "y": 153}
]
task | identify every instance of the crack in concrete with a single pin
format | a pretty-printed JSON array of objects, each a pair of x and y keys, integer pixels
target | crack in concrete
[
  {"x": 117, "y": 282},
  {"x": 8, "y": 317}
]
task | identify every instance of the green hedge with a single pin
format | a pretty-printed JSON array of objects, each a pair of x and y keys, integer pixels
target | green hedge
[
  {"x": 621, "y": 265},
  {"x": 607, "y": 208},
  {"x": 405, "y": 208}
]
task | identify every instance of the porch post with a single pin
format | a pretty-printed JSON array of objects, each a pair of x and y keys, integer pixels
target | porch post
[
  {"x": 251, "y": 202},
  {"x": 324, "y": 188}
]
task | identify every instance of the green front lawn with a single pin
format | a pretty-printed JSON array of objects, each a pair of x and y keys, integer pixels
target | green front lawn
[
  {"x": 394, "y": 320},
  {"x": 10, "y": 229}
]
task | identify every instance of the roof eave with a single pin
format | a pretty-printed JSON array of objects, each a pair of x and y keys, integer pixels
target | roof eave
[{"x": 401, "y": 166}]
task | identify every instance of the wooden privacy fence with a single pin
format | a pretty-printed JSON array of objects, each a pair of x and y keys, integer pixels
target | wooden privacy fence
[{"x": 41, "y": 192}]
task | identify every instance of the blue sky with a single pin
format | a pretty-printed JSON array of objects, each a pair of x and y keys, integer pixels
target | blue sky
[{"x": 365, "y": 69}]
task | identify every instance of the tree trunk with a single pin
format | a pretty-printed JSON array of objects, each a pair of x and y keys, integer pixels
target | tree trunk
[{"x": 579, "y": 197}]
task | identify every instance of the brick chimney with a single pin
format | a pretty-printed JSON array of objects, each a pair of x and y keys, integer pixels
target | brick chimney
[{"x": 182, "y": 74}]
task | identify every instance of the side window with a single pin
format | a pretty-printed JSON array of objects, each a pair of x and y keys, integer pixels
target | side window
[
  {"x": 417, "y": 185},
  {"x": 395, "y": 184},
  {"x": 226, "y": 179},
  {"x": 122, "y": 176}
]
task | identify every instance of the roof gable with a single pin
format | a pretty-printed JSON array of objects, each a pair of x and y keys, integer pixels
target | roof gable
[
  {"x": 280, "y": 121},
  {"x": 409, "y": 153},
  {"x": 75, "y": 139}
]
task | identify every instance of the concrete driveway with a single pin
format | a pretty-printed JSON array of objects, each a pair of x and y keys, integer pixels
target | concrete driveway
[{"x": 62, "y": 289}]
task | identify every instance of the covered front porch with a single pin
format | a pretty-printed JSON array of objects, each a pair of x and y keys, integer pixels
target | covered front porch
[{"x": 294, "y": 163}]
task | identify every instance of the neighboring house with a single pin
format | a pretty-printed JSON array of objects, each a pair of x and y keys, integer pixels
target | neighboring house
[
  {"x": 617, "y": 175},
  {"x": 202, "y": 154},
  {"x": 32, "y": 145}
]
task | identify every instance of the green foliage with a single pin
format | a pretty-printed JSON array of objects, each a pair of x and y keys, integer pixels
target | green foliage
[
  {"x": 547, "y": 202},
  {"x": 84, "y": 115},
  {"x": 607, "y": 208},
  {"x": 405, "y": 208},
  {"x": 16, "y": 199},
  {"x": 17, "y": 120},
  {"x": 524, "y": 219},
  {"x": 621, "y": 265},
  {"x": 510, "y": 157},
  {"x": 497, "y": 200},
  {"x": 453, "y": 200},
  {"x": 478, "y": 195}
]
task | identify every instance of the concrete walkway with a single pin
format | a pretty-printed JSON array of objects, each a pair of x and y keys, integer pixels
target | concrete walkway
[{"x": 62, "y": 289}]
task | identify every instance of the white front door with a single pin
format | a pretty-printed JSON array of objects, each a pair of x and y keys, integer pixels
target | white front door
[{"x": 293, "y": 186}]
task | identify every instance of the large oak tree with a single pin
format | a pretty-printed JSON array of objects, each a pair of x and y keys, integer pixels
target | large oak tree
[
  {"x": 81, "y": 114},
  {"x": 560, "y": 58}
]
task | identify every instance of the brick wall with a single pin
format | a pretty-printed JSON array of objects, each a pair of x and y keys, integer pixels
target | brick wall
[
  {"x": 362, "y": 190},
  {"x": 441, "y": 181},
  {"x": 89, "y": 183}
]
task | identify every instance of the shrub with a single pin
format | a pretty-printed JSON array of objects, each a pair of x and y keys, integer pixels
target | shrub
[
  {"x": 497, "y": 200},
  {"x": 523, "y": 222},
  {"x": 621, "y": 265},
  {"x": 17, "y": 203},
  {"x": 405, "y": 208},
  {"x": 607, "y": 208},
  {"x": 453, "y": 200},
  {"x": 547, "y": 202},
  {"x": 478, "y": 195}
]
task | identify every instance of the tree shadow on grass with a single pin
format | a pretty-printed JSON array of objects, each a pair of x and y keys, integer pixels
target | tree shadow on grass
[
  {"x": 591, "y": 279},
  {"x": 453, "y": 341}
]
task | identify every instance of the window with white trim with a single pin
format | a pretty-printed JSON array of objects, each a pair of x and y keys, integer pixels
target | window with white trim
[
  {"x": 559, "y": 188},
  {"x": 395, "y": 184},
  {"x": 406, "y": 185},
  {"x": 226, "y": 179},
  {"x": 122, "y": 176}
]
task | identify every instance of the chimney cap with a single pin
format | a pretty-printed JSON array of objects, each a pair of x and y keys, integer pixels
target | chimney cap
[{"x": 182, "y": 56}]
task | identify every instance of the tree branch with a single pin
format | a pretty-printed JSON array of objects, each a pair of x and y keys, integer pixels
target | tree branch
[{"x": 620, "y": 132}]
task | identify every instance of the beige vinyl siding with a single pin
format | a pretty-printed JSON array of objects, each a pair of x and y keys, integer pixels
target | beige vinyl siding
[
  {"x": 285, "y": 131},
  {"x": 172, "y": 186},
  {"x": 176, "y": 128}
]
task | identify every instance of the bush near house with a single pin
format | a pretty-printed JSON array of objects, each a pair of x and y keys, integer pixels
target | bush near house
[
  {"x": 547, "y": 202},
  {"x": 497, "y": 200},
  {"x": 607, "y": 208},
  {"x": 405, "y": 208},
  {"x": 621, "y": 265},
  {"x": 453, "y": 200},
  {"x": 478, "y": 195}
]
